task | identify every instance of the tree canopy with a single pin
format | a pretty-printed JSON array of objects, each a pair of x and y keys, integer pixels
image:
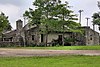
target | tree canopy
[
  {"x": 52, "y": 13},
  {"x": 4, "y": 22},
  {"x": 96, "y": 18}
]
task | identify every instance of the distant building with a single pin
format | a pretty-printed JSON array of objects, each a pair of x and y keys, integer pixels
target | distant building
[{"x": 28, "y": 36}]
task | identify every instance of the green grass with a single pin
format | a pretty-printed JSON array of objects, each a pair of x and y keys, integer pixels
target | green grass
[
  {"x": 56, "y": 61},
  {"x": 63, "y": 48}
]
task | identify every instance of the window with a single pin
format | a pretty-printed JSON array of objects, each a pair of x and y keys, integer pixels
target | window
[
  {"x": 33, "y": 37},
  {"x": 90, "y": 37}
]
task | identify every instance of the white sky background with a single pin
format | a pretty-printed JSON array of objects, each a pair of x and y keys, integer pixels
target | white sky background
[
  {"x": 88, "y": 6},
  {"x": 15, "y": 9}
]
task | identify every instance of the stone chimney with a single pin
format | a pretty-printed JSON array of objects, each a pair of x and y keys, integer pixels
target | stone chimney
[{"x": 19, "y": 24}]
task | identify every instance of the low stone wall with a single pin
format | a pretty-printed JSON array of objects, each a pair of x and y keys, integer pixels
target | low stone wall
[{"x": 10, "y": 44}]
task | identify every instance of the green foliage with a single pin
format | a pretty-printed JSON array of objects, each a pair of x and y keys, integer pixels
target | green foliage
[
  {"x": 53, "y": 16},
  {"x": 34, "y": 16},
  {"x": 8, "y": 27},
  {"x": 68, "y": 40},
  {"x": 96, "y": 18},
  {"x": 4, "y": 22}
]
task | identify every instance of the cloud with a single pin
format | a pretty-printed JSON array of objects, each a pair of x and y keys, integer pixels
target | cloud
[
  {"x": 14, "y": 2},
  {"x": 9, "y": 9},
  {"x": 12, "y": 11},
  {"x": 15, "y": 8},
  {"x": 89, "y": 7}
]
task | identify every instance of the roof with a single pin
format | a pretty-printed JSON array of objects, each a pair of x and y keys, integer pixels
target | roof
[{"x": 10, "y": 33}]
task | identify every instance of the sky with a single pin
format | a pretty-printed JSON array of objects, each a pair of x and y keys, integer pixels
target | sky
[{"x": 15, "y": 9}]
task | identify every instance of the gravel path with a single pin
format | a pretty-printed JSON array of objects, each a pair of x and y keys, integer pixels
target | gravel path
[{"x": 33, "y": 52}]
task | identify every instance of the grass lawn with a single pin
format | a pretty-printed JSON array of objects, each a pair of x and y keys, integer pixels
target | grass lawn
[
  {"x": 64, "y": 48},
  {"x": 56, "y": 61}
]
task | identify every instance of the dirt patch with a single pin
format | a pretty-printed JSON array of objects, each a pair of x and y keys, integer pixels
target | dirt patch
[{"x": 34, "y": 52}]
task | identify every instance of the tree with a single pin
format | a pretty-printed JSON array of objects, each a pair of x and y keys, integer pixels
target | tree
[
  {"x": 9, "y": 27},
  {"x": 34, "y": 17},
  {"x": 96, "y": 19},
  {"x": 54, "y": 15},
  {"x": 4, "y": 23},
  {"x": 40, "y": 14},
  {"x": 59, "y": 16},
  {"x": 65, "y": 16}
]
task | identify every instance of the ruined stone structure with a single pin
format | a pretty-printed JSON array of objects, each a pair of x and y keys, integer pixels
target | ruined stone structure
[
  {"x": 89, "y": 37},
  {"x": 27, "y": 36}
]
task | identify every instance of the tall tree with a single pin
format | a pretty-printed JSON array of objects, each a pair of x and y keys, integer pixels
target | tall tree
[
  {"x": 40, "y": 14},
  {"x": 4, "y": 23},
  {"x": 54, "y": 15},
  {"x": 62, "y": 13},
  {"x": 35, "y": 16}
]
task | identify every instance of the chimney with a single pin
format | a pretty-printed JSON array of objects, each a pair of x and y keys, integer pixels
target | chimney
[{"x": 19, "y": 24}]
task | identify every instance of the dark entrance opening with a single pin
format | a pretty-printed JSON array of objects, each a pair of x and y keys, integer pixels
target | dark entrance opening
[
  {"x": 42, "y": 37},
  {"x": 60, "y": 39},
  {"x": 33, "y": 37}
]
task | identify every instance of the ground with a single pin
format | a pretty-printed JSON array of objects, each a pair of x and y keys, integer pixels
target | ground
[{"x": 40, "y": 52}]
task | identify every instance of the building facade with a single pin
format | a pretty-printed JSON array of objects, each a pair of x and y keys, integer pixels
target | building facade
[{"x": 28, "y": 36}]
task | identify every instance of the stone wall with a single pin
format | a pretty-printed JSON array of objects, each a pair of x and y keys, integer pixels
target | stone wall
[
  {"x": 10, "y": 44},
  {"x": 91, "y": 36}
]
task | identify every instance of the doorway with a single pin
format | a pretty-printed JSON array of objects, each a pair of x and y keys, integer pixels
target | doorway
[
  {"x": 42, "y": 37},
  {"x": 60, "y": 37}
]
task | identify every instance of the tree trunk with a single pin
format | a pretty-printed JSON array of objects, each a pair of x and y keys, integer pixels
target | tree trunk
[
  {"x": 37, "y": 36},
  {"x": 63, "y": 37},
  {"x": 63, "y": 31},
  {"x": 46, "y": 35},
  {"x": 94, "y": 33}
]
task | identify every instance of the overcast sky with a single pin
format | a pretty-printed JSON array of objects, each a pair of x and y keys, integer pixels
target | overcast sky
[{"x": 15, "y": 9}]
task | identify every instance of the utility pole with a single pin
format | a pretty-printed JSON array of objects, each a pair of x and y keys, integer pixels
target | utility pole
[
  {"x": 87, "y": 20},
  {"x": 80, "y": 11}
]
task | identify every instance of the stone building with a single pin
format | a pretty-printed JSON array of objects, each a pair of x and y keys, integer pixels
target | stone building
[
  {"x": 29, "y": 35},
  {"x": 89, "y": 37},
  {"x": 14, "y": 36}
]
